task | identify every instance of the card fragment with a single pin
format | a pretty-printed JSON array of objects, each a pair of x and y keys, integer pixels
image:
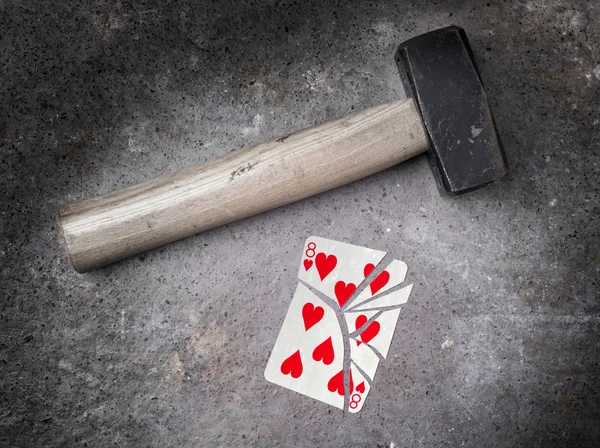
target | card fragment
[
  {"x": 360, "y": 390},
  {"x": 394, "y": 299}
]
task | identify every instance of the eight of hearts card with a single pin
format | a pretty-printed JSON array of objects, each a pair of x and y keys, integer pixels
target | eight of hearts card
[{"x": 340, "y": 323}]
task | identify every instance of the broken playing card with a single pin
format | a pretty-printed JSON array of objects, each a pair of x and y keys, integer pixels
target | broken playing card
[{"x": 318, "y": 333}]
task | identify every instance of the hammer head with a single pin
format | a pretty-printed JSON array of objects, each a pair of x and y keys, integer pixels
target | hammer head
[{"x": 438, "y": 70}]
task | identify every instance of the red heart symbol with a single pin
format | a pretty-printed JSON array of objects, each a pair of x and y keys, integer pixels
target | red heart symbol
[
  {"x": 370, "y": 332},
  {"x": 361, "y": 388},
  {"x": 293, "y": 365},
  {"x": 308, "y": 264},
  {"x": 343, "y": 291},
  {"x": 336, "y": 383},
  {"x": 324, "y": 352},
  {"x": 325, "y": 264},
  {"x": 311, "y": 315},
  {"x": 380, "y": 281}
]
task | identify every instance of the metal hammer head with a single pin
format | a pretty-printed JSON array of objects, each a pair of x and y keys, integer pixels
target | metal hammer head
[{"x": 438, "y": 70}]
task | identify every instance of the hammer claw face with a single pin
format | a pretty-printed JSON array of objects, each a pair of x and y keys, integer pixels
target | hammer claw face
[{"x": 438, "y": 70}]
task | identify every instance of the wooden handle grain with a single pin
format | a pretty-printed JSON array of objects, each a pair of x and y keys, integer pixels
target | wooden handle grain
[{"x": 105, "y": 229}]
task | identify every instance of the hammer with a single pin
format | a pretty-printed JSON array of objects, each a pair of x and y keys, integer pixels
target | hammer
[{"x": 446, "y": 113}]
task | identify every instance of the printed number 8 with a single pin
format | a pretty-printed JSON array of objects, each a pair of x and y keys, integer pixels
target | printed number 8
[
  {"x": 355, "y": 401},
  {"x": 311, "y": 248}
]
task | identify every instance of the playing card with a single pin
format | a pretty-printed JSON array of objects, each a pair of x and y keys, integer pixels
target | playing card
[
  {"x": 335, "y": 268},
  {"x": 308, "y": 354},
  {"x": 391, "y": 276}
]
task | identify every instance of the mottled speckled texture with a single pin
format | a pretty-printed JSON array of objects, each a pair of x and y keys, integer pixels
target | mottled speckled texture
[{"x": 499, "y": 344}]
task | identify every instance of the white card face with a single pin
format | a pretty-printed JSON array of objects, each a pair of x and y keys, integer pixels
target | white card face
[
  {"x": 357, "y": 320},
  {"x": 335, "y": 269},
  {"x": 360, "y": 390},
  {"x": 364, "y": 358},
  {"x": 393, "y": 275},
  {"x": 309, "y": 350},
  {"x": 379, "y": 333},
  {"x": 395, "y": 298}
]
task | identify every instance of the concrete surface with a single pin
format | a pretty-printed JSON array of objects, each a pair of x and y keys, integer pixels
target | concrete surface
[{"x": 499, "y": 345}]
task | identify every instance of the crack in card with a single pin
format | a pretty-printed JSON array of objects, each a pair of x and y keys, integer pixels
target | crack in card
[{"x": 323, "y": 350}]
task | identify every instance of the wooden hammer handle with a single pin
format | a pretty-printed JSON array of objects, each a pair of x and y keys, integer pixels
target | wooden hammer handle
[{"x": 105, "y": 229}]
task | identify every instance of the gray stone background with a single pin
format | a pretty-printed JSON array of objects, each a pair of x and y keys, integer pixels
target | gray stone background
[{"x": 499, "y": 345}]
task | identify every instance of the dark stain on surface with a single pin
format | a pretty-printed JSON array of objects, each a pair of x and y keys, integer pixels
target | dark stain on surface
[{"x": 562, "y": 402}]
